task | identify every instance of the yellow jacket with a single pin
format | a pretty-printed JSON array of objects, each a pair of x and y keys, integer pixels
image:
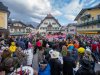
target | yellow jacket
[{"x": 13, "y": 47}]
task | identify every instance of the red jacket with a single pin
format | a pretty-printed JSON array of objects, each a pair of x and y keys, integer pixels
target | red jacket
[
  {"x": 39, "y": 44},
  {"x": 94, "y": 47}
]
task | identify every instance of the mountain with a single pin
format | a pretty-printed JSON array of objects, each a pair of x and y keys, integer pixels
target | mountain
[{"x": 35, "y": 24}]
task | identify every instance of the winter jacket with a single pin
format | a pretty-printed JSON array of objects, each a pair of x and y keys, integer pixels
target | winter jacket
[
  {"x": 44, "y": 43},
  {"x": 85, "y": 71},
  {"x": 46, "y": 53},
  {"x": 85, "y": 68},
  {"x": 70, "y": 47},
  {"x": 9, "y": 41},
  {"x": 64, "y": 52},
  {"x": 38, "y": 44},
  {"x": 76, "y": 45},
  {"x": 13, "y": 47},
  {"x": 94, "y": 47},
  {"x": 68, "y": 65},
  {"x": 46, "y": 71},
  {"x": 56, "y": 66}
]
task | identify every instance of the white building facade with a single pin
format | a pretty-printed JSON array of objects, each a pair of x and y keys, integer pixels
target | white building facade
[
  {"x": 19, "y": 28},
  {"x": 49, "y": 25}
]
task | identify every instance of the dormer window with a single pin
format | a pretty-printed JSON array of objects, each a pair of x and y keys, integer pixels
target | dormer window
[{"x": 45, "y": 23}]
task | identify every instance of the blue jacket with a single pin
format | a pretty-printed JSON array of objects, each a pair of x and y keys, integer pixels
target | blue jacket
[
  {"x": 46, "y": 71},
  {"x": 70, "y": 48}
]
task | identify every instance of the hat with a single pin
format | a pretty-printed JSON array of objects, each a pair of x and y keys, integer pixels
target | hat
[
  {"x": 54, "y": 54},
  {"x": 81, "y": 50},
  {"x": 88, "y": 50}
]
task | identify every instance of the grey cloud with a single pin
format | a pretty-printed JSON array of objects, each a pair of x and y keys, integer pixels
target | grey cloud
[{"x": 20, "y": 12}]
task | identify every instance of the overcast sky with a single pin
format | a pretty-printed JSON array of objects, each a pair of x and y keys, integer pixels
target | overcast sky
[{"x": 35, "y": 10}]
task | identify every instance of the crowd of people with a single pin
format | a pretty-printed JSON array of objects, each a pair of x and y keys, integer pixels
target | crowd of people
[{"x": 75, "y": 55}]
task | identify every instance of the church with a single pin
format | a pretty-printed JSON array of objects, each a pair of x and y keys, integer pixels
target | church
[{"x": 49, "y": 25}]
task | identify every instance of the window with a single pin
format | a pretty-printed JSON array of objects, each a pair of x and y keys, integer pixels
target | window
[
  {"x": 92, "y": 26},
  {"x": 23, "y": 30},
  {"x": 19, "y": 29},
  {"x": 15, "y": 30},
  {"x": 98, "y": 26},
  {"x": 49, "y": 28},
  {"x": 11, "y": 29},
  {"x": 41, "y": 28},
  {"x": 53, "y": 23},
  {"x": 72, "y": 30},
  {"x": 15, "y": 24},
  {"x": 44, "y": 27},
  {"x": 87, "y": 27},
  {"x": 20, "y": 25},
  {"x": 55, "y": 28},
  {"x": 92, "y": 18},
  {"x": 98, "y": 17},
  {"x": 87, "y": 20}
]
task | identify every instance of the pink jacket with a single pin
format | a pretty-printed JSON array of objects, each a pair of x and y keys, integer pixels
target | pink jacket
[{"x": 30, "y": 45}]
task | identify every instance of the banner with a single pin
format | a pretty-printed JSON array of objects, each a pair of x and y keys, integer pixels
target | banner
[{"x": 56, "y": 36}]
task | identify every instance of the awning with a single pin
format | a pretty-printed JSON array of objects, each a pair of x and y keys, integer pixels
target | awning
[
  {"x": 17, "y": 34},
  {"x": 88, "y": 32}
]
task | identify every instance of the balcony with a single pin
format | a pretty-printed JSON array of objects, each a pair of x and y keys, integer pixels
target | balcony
[
  {"x": 85, "y": 17},
  {"x": 94, "y": 22}
]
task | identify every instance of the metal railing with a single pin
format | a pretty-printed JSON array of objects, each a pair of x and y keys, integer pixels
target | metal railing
[{"x": 89, "y": 23}]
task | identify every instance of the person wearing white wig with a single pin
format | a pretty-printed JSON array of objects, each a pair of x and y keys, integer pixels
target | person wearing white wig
[
  {"x": 56, "y": 54},
  {"x": 89, "y": 56},
  {"x": 55, "y": 63}
]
